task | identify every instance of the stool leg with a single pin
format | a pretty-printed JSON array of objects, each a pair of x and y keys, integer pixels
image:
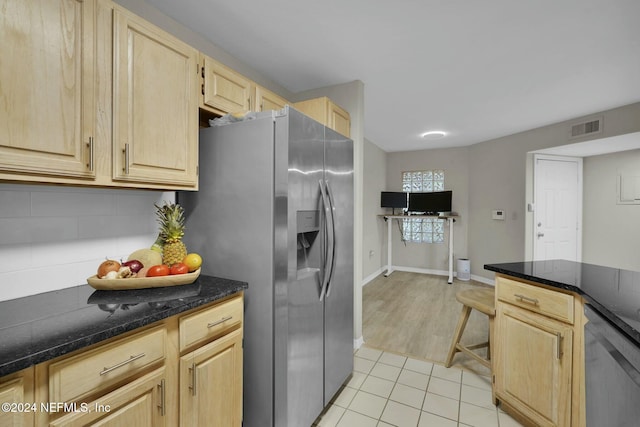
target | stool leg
[{"x": 462, "y": 322}]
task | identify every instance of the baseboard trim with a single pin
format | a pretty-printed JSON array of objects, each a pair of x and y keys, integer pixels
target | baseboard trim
[
  {"x": 481, "y": 279},
  {"x": 371, "y": 277},
  {"x": 425, "y": 271},
  {"x": 422, "y": 270}
]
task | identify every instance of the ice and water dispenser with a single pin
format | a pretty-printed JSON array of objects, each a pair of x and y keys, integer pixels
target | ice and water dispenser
[{"x": 309, "y": 253}]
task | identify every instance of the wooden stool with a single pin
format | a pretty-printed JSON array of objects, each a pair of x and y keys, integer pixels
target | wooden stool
[{"x": 482, "y": 300}]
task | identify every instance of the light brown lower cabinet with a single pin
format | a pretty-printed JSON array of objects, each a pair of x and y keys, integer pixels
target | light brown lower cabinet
[
  {"x": 147, "y": 377},
  {"x": 16, "y": 389},
  {"x": 211, "y": 383},
  {"x": 534, "y": 365},
  {"x": 538, "y": 360}
]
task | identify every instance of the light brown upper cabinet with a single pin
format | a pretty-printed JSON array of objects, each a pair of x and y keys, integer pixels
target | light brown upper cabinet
[
  {"x": 267, "y": 100},
  {"x": 155, "y": 117},
  {"x": 328, "y": 113},
  {"x": 223, "y": 90},
  {"x": 47, "y": 95}
]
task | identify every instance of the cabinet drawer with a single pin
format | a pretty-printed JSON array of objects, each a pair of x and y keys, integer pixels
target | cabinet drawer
[
  {"x": 90, "y": 372},
  {"x": 203, "y": 325},
  {"x": 140, "y": 403},
  {"x": 540, "y": 300}
]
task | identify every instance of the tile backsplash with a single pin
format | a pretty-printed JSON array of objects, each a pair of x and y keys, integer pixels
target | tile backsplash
[{"x": 54, "y": 237}]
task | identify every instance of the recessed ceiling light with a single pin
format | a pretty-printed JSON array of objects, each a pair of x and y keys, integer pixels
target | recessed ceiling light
[{"x": 434, "y": 134}]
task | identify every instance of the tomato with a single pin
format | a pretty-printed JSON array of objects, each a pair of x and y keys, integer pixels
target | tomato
[
  {"x": 179, "y": 268},
  {"x": 158, "y": 270}
]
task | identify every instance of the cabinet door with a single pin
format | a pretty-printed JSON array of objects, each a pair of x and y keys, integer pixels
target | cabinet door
[
  {"x": 211, "y": 383},
  {"x": 224, "y": 91},
  {"x": 339, "y": 120},
  {"x": 533, "y": 365},
  {"x": 155, "y": 105},
  {"x": 267, "y": 100},
  {"x": 17, "y": 388},
  {"x": 140, "y": 403},
  {"x": 47, "y": 102},
  {"x": 328, "y": 113}
]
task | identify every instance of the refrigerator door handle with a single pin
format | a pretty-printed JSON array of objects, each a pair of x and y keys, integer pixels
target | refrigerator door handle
[
  {"x": 328, "y": 218},
  {"x": 332, "y": 235}
]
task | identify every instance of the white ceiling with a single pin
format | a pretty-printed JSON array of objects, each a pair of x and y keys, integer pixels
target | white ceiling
[{"x": 476, "y": 69}]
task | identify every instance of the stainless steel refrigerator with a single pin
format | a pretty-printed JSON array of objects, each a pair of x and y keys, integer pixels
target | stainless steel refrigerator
[{"x": 275, "y": 209}]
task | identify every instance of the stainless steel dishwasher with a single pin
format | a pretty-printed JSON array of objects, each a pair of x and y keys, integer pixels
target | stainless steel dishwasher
[{"x": 612, "y": 375}]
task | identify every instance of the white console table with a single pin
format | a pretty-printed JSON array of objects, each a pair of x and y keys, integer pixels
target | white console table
[{"x": 389, "y": 219}]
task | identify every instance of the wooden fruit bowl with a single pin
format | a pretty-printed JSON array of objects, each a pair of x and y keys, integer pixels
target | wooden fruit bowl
[{"x": 142, "y": 282}]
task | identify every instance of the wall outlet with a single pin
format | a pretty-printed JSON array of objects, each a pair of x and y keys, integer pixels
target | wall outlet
[{"x": 498, "y": 214}]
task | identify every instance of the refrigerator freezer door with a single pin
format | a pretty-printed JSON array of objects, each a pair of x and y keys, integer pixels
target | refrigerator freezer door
[
  {"x": 338, "y": 308},
  {"x": 299, "y": 311}
]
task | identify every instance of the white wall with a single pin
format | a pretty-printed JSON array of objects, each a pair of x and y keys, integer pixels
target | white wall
[
  {"x": 499, "y": 176},
  {"x": 54, "y": 237},
  {"x": 612, "y": 231},
  {"x": 374, "y": 240},
  {"x": 454, "y": 162}
]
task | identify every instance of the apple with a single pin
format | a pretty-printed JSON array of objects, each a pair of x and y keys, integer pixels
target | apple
[{"x": 133, "y": 264}]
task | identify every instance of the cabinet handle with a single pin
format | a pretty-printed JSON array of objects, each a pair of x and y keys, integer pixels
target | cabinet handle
[
  {"x": 216, "y": 323},
  {"x": 90, "y": 145},
  {"x": 523, "y": 298},
  {"x": 118, "y": 365},
  {"x": 162, "y": 398},
  {"x": 126, "y": 159},
  {"x": 559, "y": 340},
  {"x": 194, "y": 376}
]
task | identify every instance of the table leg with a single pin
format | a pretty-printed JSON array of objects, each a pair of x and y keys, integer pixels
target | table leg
[
  {"x": 389, "y": 244},
  {"x": 450, "y": 279}
]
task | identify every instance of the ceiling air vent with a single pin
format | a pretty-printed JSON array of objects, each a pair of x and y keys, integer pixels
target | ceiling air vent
[{"x": 590, "y": 127}]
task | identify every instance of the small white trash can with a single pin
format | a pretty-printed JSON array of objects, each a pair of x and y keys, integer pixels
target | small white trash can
[{"x": 464, "y": 269}]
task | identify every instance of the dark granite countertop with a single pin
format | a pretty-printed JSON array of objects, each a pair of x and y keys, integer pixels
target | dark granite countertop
[
  {"x": 612, "y": 292},
  {"x": 41, "y": 327}
]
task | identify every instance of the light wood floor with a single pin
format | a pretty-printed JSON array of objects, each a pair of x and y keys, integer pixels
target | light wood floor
[{"x": 416, "y": 314}]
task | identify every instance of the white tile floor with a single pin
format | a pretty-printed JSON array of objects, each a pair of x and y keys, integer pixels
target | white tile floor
[{"x": 391, "y": 390}]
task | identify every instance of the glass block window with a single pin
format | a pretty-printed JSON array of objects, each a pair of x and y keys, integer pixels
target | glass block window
[
  {"x": 423, "y": 230},
  {"x": 416, "y": 181}
]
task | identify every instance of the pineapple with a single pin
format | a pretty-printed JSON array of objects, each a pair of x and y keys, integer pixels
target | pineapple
[{"x": 171, "y": 219}]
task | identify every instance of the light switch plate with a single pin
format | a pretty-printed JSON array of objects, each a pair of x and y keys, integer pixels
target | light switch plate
[{"x": 498, "y": 214}]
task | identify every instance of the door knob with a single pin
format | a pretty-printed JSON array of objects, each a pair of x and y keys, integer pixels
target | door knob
[{"x": 540, "y": 234}]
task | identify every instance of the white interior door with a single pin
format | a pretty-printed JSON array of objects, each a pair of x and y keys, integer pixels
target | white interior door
[{"x": 558, "y": 208}]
